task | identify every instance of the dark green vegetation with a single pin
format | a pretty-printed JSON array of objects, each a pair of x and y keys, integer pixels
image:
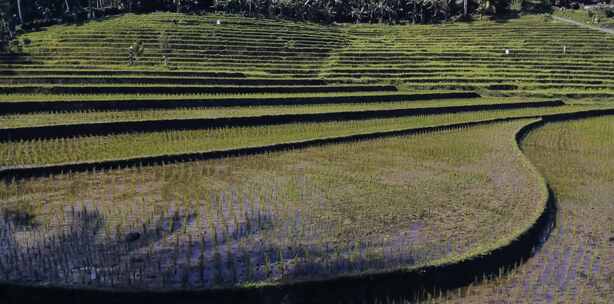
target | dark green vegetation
[
  {"x": 258, "y": 152},
  {"x": 34, "y": 14},
  {"x": 461, "y": 56}
]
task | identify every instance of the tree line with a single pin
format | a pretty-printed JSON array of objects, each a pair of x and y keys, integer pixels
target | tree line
[
  {"x": 28, "y": 14},
  {"x": 418, "y": 11}
]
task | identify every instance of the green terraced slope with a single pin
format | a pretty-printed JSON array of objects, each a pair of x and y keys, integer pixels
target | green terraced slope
[
  {"x": 218, "y": 130},
  {"x": 471, "y": 56}
]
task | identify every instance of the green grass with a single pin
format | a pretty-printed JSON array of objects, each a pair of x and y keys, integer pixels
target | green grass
[{"x": 185, "y": 89}]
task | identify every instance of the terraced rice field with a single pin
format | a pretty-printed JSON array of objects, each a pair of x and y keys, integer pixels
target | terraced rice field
[
  {"x": 266, "y": 160},
  {"x": 294, "y": 215},
  {"x": 576, "y": 264},
  {"x": 472, "y": 57}
]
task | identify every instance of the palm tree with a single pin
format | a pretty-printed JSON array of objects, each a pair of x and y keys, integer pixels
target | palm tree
[
  {"x": 381, "y": 6},
  {"x": 381, "y": 10},
  {"x": 19, "y": 11},
  {"x": 67, "y": 6},
  {"x": 465, "y": 8},
  {"x": 357, "y": 13},
  {"x": 91, "y": 9},
  {"x": 250, "y": 7}
]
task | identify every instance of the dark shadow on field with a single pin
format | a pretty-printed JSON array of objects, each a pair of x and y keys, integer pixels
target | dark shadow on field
[
  {"x": 7, "y": 60},
  {"x": 47, "y": 259},
  {"x": 12, "y": 55},
  {"x": 79, "y": 254},
  {"x": 368, "y": 287}
]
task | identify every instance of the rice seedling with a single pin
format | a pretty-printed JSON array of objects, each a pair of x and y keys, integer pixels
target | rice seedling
[
  {"x": 576, "y": 262},
  {"x": 93, "y": 148},
  {"x": 279, "y": 217}
]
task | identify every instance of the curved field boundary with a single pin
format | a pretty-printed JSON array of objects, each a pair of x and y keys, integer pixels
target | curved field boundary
[
  {"x": 22, "y": 172},
  {"x": 23, "y": 107},
  {"x": 106, "y": 128},
  {"x": 407, "y": 282}
]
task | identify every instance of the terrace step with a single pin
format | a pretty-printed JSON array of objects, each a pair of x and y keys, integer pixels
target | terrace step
[
  {"x": 45, "y": 70},
  {"x": 22, "y": 172},
  {"x": 175, "y": 103},
  {"x": 186, "y": 89},
  {"x": 107, "y": 128},
  {"x": 164, "y": 80}
]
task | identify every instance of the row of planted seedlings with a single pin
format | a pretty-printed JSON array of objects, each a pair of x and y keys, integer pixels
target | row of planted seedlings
[
  {"x": 555, "y": 60},
  {"x": 478, "y": 69},
  {"x": 211, "y": 43},
  {"x": 575, "y": 40},
  {"x": 567, "y": 268},
  {"x": 208, "y": 21},
  {"x": 383, "y": 63},
  {"x": 575, "y": 263},
  {"x": 221, "y": 53},
  {"x": 309, "y": 85},
  {"x": 209, "y": 38},
  {"x": 212, "y": 39},
  {"x": 571, "y": 267},
  {"x": 271, "y": 69},
  {"x": 484, "y": 49},
  {"x": 476, "y": 74},
  {"x": 158, "y": 80},
  {"x": 123, "y": 235},
  {"x": 67, "y": 116},
  {"x": 225, "y": 99},
  {"x": 495, "y": 59},
  {"x": 271, "y": 218},
  {"x": 260, "y": 64},
  {"x": 247, "y": 33},
  {"x": 175, "y": 51},
  {"x": 107, "y": 147},
  {"x": 474, "y": 33},
  {"x": 508, "y": 86}
]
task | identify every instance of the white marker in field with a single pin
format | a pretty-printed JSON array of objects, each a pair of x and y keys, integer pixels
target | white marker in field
[
  {"x": 507, "y": 51},
  {"x": 218, "y": 22}
]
